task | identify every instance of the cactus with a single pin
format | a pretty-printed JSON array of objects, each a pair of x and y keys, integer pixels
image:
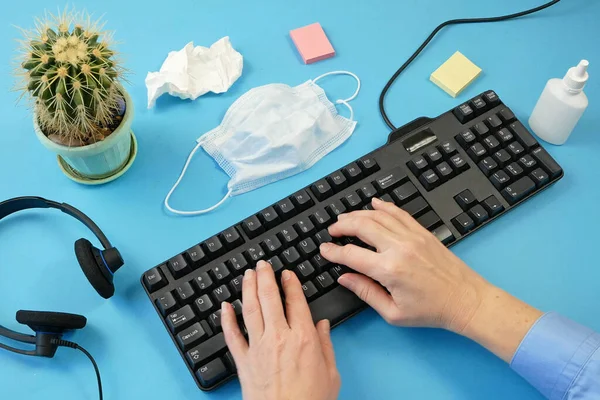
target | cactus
[{"x": 71, "y": 74}]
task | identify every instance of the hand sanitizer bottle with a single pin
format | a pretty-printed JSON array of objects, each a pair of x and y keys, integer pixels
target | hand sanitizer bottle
[{"x": 560, "y": 106}]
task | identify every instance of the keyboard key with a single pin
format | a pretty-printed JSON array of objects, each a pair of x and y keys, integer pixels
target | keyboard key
[
  {"x": 429, "y": 220},
  {"x": 433, "y": 155},
  {"x": 204, "y": 305},
  {"x": 404, "y": 193},
  {"x": 238, "y": 262},
  {"x": 319, "y": 262},
  {"x": 547, "y": 162},
  {"x": 220, "y": 272},
  {"x": 447, "y": 149},
  {"x": 178, "y": 266},
  {"x": 466, "y": 139},
  {"x": 305, "y": 227},
  {"x": 390, "y": 179},
  {"x": 153, "y": 280},
  {"x": 285, "y": 208},
  {"x": 481, "y": 129},
  {"x": 180, "y": 319},
  {"x": 203, "y": 282},
  {"x": 324, "y": 281},
  {"x": 502, "y": 157},
  {"x": 499, "y": 179},
  {"x": 252, "y": 226},
  {"x": 367, "y": 191},
  {"x": 206, "y": 350},
  {"x": 269, "y": 217},
  {"x": 231, "y": 237},
  {"x": 478, "y": 105},
  {"x": 185, "y": 292},
  {"x": 476, "y": 152},
  {"x": 527, "y": 162},
  {"x": 290, "y": 256},
  {"x": 236, "y": 285},
  {"x": 215, "y": 320},
  {"x": 352, "y": 201},
  {"x": 335, "y": 305},
  {"x": 305, "y": 271},
  {"x": 488, "y": 166},
  {"x": 213, "y": 247},
  {"x": 352, "y": 172},
  {"x": 237, "y": 307},
  {"x": 206, "y": 328},
  {"x": 493, "y": 206},
  {"x": 230, "y": 361},
  {"x": 463, "y": 223},
  {"x": 491, "y": 98},
  {"x": 416, "y": 207},
  {"x": 539, "y": 177},
  {"x": 338, "y": 181},
  {"x": 276, "y": 264},
  {"x": 166, "y": 303},
  {"x": 307, "y": 248},
  {"x": 429, "y": 180},
  {"x": 336, "y": 208},
  {"x": 321, "y": 189},
  {"x": 323, "y": 237},
  {"x": 491, "y": 144},
  {"x": 443, "y": 234},
  {"x": 506, "y": 115},
  {"x": 368, "y": 165},
  {"x": 338, "y": 270},
  {"x": 212, "y": 373},
  {"x": 271, "y": 244},
  {"x": 302, "y": 200},
  {"x": 459, "y": 163},
  {"x": 321, "y": 218},
  {"x": 221, "y": 294},
  {"x": 515, "y": 150},
  {"x": 387, "y": 198},
  {"x": 479, "y": 214},
  {"x": 368, "y": 207},
  {"x": 514, "y": 170},
  {"x": 196, "y": 255},
  {"x": 418, "y": 165},
  {"x": 189, "y": 337},
  {"x": 310, "y": 290},
  {"x": 518, "y": 190},
  {"x": 493, "y": 121},
  {"x": 464, "y": 113},
  {"x": 288, "y": 236},
  {"x": 523, "y": 135},
  {"x": 255, "y": 253},
  {"x": 444, "y": 171},
  {"x": 504, "y": 136},
  {"x": 465, "y": 199}
]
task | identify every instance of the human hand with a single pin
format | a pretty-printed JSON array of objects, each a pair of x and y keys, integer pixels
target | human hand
[{"x": 287, "y": 358}]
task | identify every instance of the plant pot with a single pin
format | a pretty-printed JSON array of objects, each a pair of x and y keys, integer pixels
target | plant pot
[{"x": 101, "y": 161}]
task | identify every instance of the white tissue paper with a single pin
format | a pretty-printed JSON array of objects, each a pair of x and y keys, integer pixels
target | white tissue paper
[{"x": 194, "y": 71}]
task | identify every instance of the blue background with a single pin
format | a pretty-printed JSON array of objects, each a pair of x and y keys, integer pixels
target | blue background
[{"x": 545, "y": 252}]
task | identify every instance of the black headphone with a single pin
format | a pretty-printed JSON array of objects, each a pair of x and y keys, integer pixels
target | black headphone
[{"x": 99, "y": 266}]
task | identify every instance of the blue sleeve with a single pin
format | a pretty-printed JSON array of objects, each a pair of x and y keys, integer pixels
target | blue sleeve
[{"x": 560, "y": 358}]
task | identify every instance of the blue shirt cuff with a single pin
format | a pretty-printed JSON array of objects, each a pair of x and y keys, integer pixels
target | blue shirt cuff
[{"x": 553, "y": 354}]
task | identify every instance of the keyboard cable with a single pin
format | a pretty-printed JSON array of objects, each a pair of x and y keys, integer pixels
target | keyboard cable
[{"x": 435, "y": 32}]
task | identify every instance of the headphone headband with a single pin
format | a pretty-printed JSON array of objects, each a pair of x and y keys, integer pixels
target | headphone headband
[{"x": 17, "y": 204}]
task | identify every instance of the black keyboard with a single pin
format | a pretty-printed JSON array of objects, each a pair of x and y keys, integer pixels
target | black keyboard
[{"x": 454, "y": 174}]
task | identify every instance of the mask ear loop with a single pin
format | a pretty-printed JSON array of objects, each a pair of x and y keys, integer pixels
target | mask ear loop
[
  {"x": 183, "y": 171},
  {"x": 349, "y": 99}
]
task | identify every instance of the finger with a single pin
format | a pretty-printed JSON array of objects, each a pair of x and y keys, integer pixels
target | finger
[
  {"x": 359, "y": 259},
  {"x": 269, "y": 297},
  {"x": 297, "y": 311},
  {"x": 381, "y": 217},
  {"x": 371, "y": 293},
  {"x": 397, "y": 213},
  {"x": 324, "y": 331},
  {"x": 364, "y": 228},
  {"x": 236, "y": 342},
  {"x": 251, "y": 306}
]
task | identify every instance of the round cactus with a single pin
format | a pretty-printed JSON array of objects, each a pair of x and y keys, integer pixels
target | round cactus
[{"x": 71, "y": 74}]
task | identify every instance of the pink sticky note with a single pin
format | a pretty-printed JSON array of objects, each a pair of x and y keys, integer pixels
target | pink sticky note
[{"x": 312, "y": 43}]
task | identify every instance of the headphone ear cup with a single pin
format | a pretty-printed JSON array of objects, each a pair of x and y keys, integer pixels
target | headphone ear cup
[
  {"x": 92, "y": 270},
  {"x": 50, "y": 321}
]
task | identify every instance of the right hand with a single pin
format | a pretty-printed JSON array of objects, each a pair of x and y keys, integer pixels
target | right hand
[{"x": 427, "y": 285}]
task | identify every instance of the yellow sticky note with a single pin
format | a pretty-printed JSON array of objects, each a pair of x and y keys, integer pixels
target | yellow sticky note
[{"x": 456, "y": 74}]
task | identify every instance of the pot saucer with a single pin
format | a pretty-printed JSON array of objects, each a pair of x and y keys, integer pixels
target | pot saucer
[{"x": 75, "y": 176}]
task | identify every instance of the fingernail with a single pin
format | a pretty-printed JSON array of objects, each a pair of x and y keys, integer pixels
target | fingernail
[
  {"x": 342, "y": 216},
  {"x": 248, "y": 273},
  {"x": 224, "y": 307},
  {"x": 346, "y": 282},
  {"x": 261, "y": 265},
  {"x": 286, "y": 275},
  {"x": 377, "y": 200},
  {"x": 327, "y": 325},
  {"x": 325, "y": 247}
]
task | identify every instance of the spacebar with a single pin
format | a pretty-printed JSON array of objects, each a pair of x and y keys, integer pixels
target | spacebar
[{"x": 335, "y": 305}]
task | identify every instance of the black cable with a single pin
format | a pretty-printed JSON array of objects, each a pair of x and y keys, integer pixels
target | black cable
[
  {"x": 66, "y": 343},
  {"x": 435, "y": 32}
]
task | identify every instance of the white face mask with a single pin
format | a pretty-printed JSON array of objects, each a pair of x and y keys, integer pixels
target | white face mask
[{"x": 273, "y": 132}]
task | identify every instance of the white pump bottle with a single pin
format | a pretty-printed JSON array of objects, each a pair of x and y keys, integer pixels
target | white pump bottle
[{"x": 560, "y": 106}]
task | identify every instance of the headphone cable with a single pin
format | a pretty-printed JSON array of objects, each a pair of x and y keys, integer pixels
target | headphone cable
[
  {"x": 66, "y": 343},
  {"x": 435, "y": 32}
]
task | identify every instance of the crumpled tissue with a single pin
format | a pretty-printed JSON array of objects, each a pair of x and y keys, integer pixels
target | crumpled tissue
[{"x": 194, "y": 71}]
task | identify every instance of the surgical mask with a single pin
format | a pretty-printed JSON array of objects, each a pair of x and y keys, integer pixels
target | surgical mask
[{"x": 273, "y": 132}]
